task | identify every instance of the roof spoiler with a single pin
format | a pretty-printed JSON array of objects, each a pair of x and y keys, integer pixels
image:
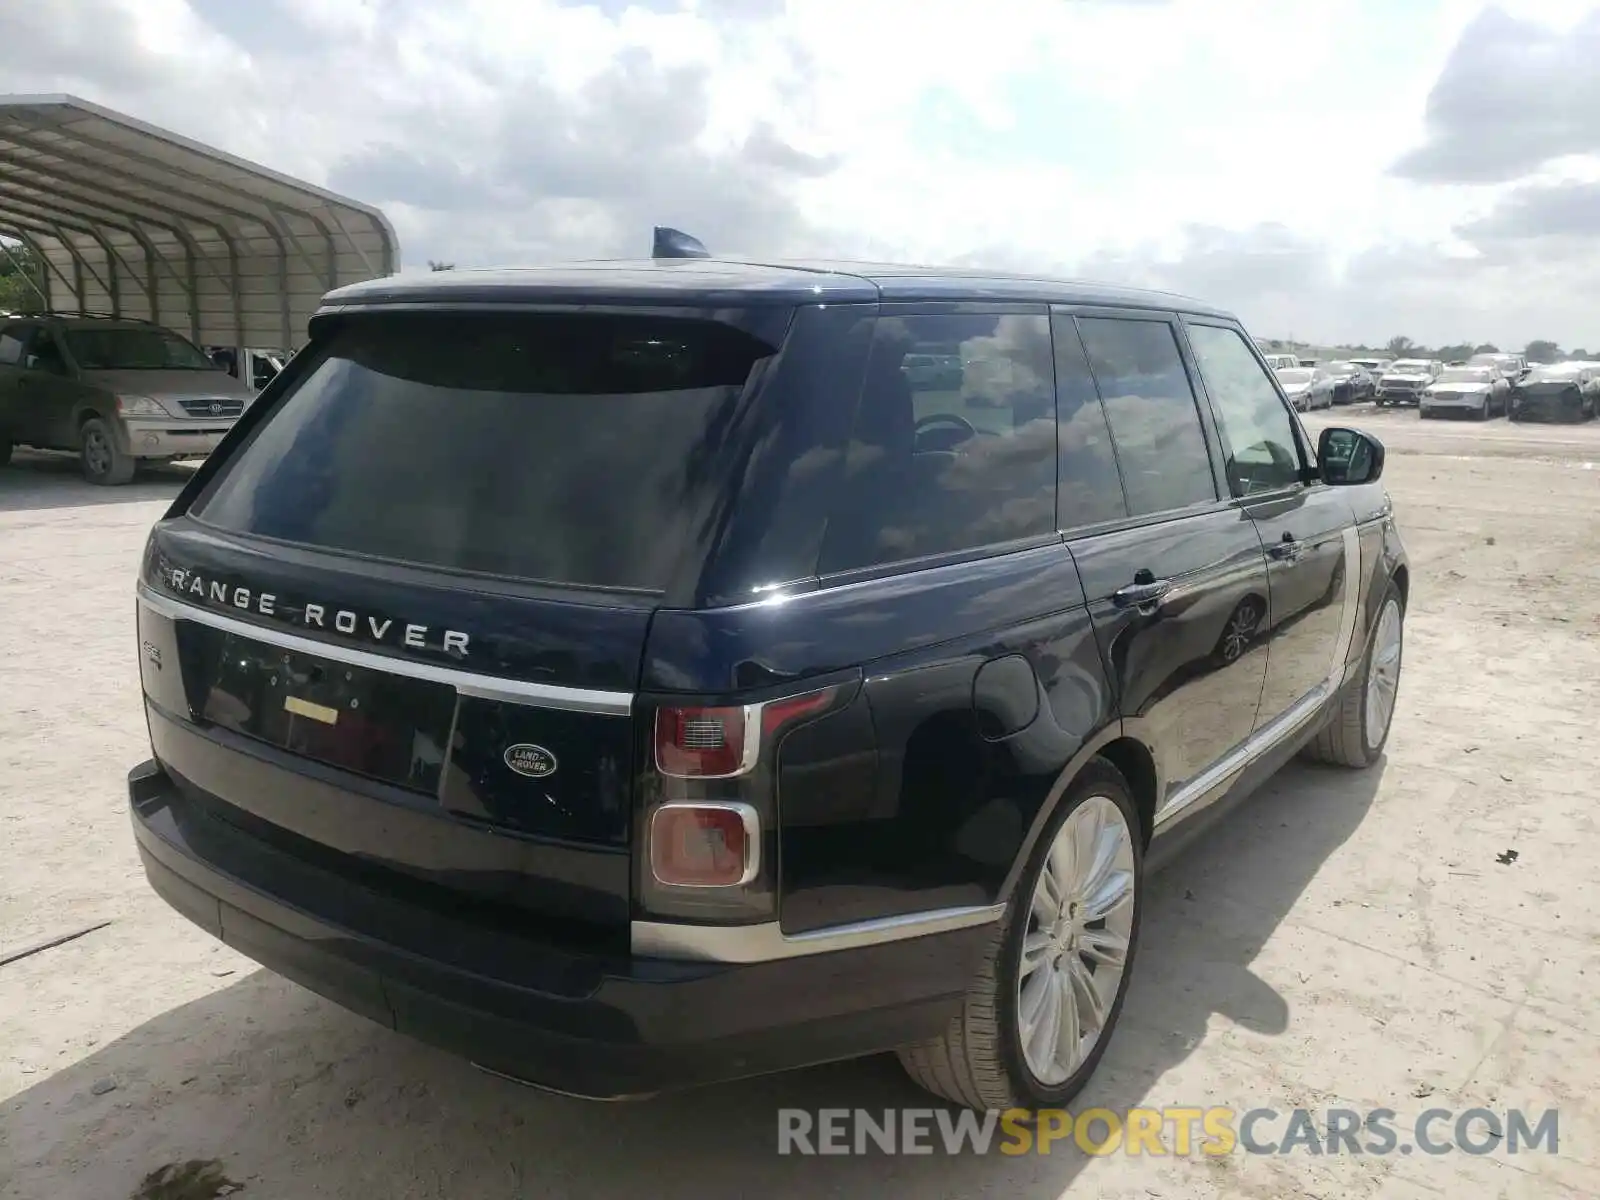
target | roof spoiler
[{"x": 674, "y": 243}]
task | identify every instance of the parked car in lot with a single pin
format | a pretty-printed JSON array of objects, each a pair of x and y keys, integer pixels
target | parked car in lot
[
  {"x": 1351, "y": 382},
  {"x": 1374, "y": 367},
  {"x": 1307, "y": 387},
  {"x": 1512, "y": 366},
  {"x": 1406, "y": 379},
  {"x": 1481, "y": 391},
  {"x": 117, "y": 392},
  {"x": 1568, "y": 391},
  {"x": 1280, "y": 362},
  {"x": 261, "y": 366},
  {"x": 641, "y": 680}
]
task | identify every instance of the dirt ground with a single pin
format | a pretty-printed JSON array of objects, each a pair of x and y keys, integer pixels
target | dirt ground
[{"x": 1341, "y": 941}]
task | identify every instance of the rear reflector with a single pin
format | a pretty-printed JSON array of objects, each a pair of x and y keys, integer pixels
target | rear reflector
[{"x": 705, "y": 845}]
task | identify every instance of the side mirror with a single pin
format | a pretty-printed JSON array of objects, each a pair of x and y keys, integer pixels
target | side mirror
[{"x": 1347, "y": 456}]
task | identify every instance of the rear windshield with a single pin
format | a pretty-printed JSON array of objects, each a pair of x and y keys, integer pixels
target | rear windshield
[{"x": 569, "y": 449}]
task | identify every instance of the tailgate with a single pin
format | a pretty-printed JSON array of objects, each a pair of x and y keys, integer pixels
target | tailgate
[{"x": 354, "y": 732}]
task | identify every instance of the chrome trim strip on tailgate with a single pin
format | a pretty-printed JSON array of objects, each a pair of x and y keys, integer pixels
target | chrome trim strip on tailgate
[
  {"x": 466, "y": 683},
  {"x": 768, "y": 943}
]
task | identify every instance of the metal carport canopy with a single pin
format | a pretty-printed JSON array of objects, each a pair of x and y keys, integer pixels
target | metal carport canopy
[{"x": 137, "y": 222}]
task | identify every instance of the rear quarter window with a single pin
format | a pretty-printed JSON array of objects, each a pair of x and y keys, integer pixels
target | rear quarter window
[
  {"x": 954, "y": 445},
  {"x": 1160, "y": 442},
  {"x": 566, "y": 449}
]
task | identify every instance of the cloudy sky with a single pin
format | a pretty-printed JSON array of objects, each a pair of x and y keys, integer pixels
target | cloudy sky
[{"x": 1331, "y": 169}]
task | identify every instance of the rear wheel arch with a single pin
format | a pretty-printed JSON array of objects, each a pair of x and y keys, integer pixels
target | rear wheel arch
[
  {"x": 1138, "y": 766},
  {"x": 1130, "y": 756},
  {"x": 980, "y": 1061}
]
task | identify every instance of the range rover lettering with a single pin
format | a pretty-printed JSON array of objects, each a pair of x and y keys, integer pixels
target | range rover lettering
[{"x": 817, "y": 658}]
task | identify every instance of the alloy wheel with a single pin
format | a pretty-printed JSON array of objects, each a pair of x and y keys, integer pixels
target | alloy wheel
[
  {"x": 1077, "y": 941},
  {"x": 1383, "y": 674},
  {"x": 96, "y": 452}
]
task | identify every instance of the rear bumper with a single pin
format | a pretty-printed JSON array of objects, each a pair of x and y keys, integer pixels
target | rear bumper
[
  {"x": 171, "y": 438},
  {"x": 602, "y": 1026}
]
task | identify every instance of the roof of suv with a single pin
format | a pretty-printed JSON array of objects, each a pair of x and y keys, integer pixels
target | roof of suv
[
  {"x": 89, "y": 319},
  {"x": 778, "y": 282}
]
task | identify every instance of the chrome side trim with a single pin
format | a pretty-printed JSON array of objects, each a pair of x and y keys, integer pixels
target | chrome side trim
[
  {"x": 466, "y": 683},
  {"x": 768, "y": 943},
  {"x": 1252, "y": 748},
  {"x": 1351, "y": 599}
]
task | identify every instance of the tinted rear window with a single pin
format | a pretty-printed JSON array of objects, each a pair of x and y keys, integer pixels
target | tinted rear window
[{"x": 565, "y": 449}]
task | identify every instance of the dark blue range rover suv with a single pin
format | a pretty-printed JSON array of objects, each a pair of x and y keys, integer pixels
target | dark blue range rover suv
[{"x": 639, "y": 674}]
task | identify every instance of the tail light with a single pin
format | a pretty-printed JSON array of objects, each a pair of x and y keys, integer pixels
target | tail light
[
  {"x": 706, "y": 833},
  {"x": 706, "y": 743},
  {"x": 705, "y": 844},
  {"x": 698, "y": 742}
]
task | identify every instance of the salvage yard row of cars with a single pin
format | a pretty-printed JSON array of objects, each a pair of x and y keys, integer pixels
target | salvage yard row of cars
[{"x": 1486, "y": 385}]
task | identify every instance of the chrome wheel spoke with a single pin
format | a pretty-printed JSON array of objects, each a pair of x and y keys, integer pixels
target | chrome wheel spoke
[
  {"x": 1099, "y": 874},
  {"x": 1114, "y": 893},
  {"x": 1069, "y": 1035},
  {"x": 1046, "y": 904},
  {"x": 1041, "y": 1033},
  {"x": 1086, "y": 849},
  {"x": 1091, "y": 1005},
  {"x": 1105, "y": 947},
  {"x": 1060, "y": 869},
  {"x": 1036, "y": 950}
]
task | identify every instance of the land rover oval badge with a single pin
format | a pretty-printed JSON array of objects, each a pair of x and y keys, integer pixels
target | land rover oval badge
[{"x": 533, "y": 761}]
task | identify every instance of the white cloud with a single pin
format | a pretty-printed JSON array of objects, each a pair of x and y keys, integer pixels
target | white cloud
[{"x": 1240, "y": 147}]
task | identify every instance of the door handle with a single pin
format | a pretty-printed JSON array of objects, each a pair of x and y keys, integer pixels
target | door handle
[
  {"x": 1146, "y": 596},
  {"x": 1287, "y": 550}
]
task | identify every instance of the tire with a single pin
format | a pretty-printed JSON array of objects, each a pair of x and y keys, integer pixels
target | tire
[
  {"x": 102, "y": 460},
  {"x": 1483, "y": 410},
  {"x": 1348, "y": 740},
  {"x": 980, "y": 1061}
]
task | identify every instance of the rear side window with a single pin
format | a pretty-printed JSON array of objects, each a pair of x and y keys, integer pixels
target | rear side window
[
  {"x": 954, "y": 446},
  {"x": 1090, "y": 489},
  {"x": 134, "y": 348},
  {"x": 569, "y": 449},
  {"x": 1161, "y": 446}
]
